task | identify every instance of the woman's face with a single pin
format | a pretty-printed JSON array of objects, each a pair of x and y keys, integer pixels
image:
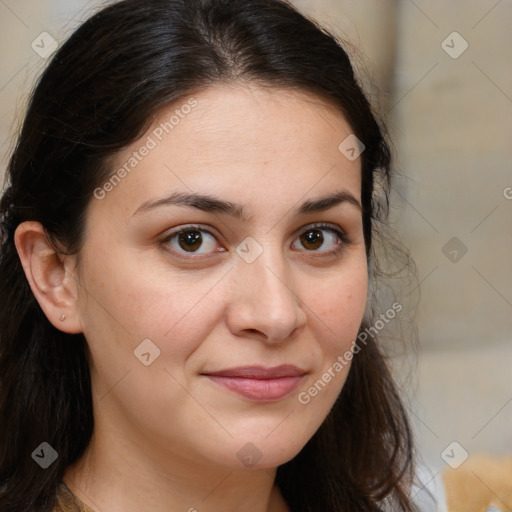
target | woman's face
[{"x": 186, "y": 330}]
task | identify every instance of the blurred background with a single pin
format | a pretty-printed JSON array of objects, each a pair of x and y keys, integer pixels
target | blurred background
[{"x": 440, "y": 73}]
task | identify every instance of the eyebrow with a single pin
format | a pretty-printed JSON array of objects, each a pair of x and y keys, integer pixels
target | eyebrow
[{"x": 212, "y": 204}]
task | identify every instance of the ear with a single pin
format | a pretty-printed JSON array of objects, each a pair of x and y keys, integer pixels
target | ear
[{"x": 50, "y": 276}]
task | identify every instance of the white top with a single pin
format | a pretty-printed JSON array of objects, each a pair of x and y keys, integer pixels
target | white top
[{"x": 428, "y": 493}]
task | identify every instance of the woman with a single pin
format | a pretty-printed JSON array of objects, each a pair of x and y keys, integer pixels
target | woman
[{"x": 189, "y": 235}]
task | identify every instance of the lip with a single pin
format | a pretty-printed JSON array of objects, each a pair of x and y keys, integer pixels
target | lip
[{"x": 259, "y": 383}]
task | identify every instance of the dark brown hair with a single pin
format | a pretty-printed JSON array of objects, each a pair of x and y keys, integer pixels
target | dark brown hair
[{"x": 98, "y": 94}]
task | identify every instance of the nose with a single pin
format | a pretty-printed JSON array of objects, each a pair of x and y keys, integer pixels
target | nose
[{"x": 264, "y": 303}]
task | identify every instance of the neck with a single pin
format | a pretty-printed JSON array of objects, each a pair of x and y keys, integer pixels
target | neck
[{"x": 119, "y": 474}]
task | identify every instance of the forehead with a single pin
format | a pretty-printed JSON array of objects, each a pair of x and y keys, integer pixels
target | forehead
[
  {"x": 237, "y": 139},
  {"x": 251, "y": 118}
]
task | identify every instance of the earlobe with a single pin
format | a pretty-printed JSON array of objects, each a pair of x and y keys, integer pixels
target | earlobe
[{"x": 50, "y": 276}]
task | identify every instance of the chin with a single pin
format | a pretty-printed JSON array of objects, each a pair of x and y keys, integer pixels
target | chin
[{"x": 260, "y": 452}]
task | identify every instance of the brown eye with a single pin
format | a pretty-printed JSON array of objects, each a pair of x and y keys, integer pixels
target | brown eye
[
  {"x": 322, "y": 239},
  {"x": 190, "y": 240},
  {"x": 193, "y": 240},
  {"x": 312, "y": 239}
]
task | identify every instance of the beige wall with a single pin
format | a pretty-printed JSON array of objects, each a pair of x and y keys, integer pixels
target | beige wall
[
  {"x": 453, "y": 128},
  {"x": 20, "y": 24},
  {"x": 451, "y": 120}
]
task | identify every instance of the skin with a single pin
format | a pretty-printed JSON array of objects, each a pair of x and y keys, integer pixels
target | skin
[{"x": 166, "y": 437}]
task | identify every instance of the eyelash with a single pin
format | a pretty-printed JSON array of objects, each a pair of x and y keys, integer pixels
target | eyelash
[{"x": 344, "y": 240}]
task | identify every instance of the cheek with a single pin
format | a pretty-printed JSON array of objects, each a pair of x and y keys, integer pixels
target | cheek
[
  {"x": 340, "y": 305},
  {"x": 339, "y": 308},
  {"x": 125, "y": 305}
]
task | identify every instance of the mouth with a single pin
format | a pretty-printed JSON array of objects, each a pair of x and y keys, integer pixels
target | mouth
[{"x": 258, "y": 383}]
